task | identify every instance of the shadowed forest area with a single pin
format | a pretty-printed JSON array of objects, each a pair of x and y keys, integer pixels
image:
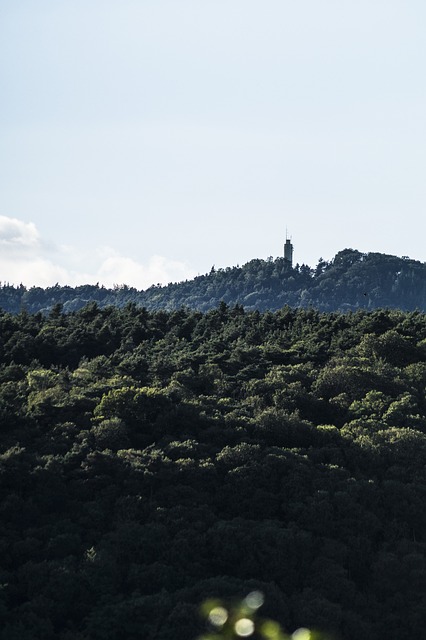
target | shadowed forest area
[{"x": 153, "y": 459}]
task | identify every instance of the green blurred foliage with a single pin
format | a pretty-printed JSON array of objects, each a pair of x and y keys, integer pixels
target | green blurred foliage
[{"x": 240, "y": 619}]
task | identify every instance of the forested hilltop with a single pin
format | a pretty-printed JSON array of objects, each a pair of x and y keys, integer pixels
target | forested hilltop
[
  {"x": 150, "y": 460},
  {"x": 351, "y": 281}
]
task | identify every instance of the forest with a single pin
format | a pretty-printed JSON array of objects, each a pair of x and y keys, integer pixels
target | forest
[
  {"x": 351, "y": 281},
  {"x": 151, "y": 460}
]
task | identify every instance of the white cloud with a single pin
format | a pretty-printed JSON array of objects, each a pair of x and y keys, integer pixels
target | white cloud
[
  {"x": 116, "y": 269},
  {"x": 25, "y": 258},
  {"x": 16, "y": 235}
]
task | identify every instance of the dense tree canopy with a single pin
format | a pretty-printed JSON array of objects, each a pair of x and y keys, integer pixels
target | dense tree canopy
[{"x": 150, "y": 460}]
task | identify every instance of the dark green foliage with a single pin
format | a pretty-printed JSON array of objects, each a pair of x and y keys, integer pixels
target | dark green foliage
[{"x": 152, "y": 460}]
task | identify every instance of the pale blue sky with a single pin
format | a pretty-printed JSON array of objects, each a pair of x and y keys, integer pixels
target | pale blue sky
[{"x": 144, "y": 141}]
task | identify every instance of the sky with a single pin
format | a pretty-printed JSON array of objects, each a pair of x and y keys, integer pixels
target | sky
[{"x": 143, "y": 141}]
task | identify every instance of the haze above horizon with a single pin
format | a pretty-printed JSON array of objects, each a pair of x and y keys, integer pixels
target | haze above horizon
[{"x": 144, "y": 142}]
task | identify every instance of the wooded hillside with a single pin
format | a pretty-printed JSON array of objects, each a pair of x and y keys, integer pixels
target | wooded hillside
[
  {"x": 151, "y": 459},
  {"x": 351, "y": 281}
]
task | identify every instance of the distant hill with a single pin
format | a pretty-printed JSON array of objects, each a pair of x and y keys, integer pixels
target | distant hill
[{"x": 351, "y": 281}]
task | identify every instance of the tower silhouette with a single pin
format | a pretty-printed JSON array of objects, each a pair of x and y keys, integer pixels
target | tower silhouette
[{"x": 288, "y": 251}]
